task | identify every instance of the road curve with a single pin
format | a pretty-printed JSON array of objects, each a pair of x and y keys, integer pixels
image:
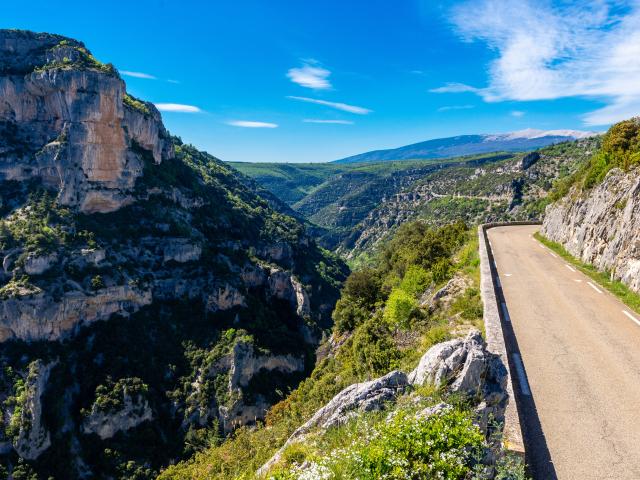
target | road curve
[{"x": 578, "y": 380}]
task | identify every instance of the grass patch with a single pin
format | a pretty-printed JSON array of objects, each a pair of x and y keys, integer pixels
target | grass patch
[{"x": 630, "y": 298}]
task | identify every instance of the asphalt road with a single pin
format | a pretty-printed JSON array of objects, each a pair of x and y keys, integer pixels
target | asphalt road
[{"x": 578, "y": 380}]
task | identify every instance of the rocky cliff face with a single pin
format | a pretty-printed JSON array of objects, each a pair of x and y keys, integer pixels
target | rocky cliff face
[
  {"x": 33, "y": 437},
  {"x": 133, "y": 411},
  {"x": 69, "y": 123},
  {"x": 602, "y": 226},
  {"x": 135, "y": 260}
]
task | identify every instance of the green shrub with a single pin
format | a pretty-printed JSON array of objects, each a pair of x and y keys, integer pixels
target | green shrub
[
  {"x": 97, "y": 282},
  {"x": 620, "y": 149},
  {"x": 415, "y": 281},
  {"x": 110, "y": 395},
  {"x": 399, "y": 307},
  {"x": 441, "y": 270},
  {"x": 133, "y": 102},
  {"x": 441, "y": 446},
  {"x": 363, "y": 285},
  {"x": 374, "y": 352},
  {"x": 349, "y": 314}
]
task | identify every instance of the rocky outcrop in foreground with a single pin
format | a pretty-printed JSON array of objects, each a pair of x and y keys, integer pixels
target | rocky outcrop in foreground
[
  {"x": 602, "y": 226},
  {"x": 463, "y": 366}
]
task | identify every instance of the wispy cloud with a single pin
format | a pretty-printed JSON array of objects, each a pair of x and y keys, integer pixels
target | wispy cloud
[
  {"x": 129, "y": 73},
  {"x": 446, "y": 108},
  {"x": 337, "y": 122},
  {"x": 337, "y": 105},
  {"x": 565, "y": 49},
  {"x": 177, "y": 107},
  {"x": 172, "y": 81},
  {"x": 251, "y": 124},
  {"x": 517, "y": 113},
  {"x": 310, "y": 75},
  {"x": 455, "y": 88}
]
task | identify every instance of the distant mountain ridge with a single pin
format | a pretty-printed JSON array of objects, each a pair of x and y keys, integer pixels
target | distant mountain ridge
[{"x": 528, "y": 139}]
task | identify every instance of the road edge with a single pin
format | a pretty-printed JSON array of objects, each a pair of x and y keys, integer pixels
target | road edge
[{"x": 513, "y": 438}]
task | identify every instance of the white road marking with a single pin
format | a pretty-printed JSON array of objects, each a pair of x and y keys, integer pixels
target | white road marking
[
  {"x": 594, "y": 287},
  {"x": 579, "y": 281},
  {"x": 508, "y": 274},
  {"x": 553, "y": 255},
  {"x": 522, "y": 378},
  {"x": 631, "y": 317},
  {"x": 505, "y": 312},
  {"x": 570, "y": 268}
]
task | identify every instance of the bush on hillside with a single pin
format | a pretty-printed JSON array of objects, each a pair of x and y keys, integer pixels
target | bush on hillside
[
  {"x": 399, "y": 308},
  {"x": 620, "y": 149}
]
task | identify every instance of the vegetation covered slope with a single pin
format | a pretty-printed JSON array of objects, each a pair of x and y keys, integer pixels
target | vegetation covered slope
[
  {"x": 511, "y": 189},
  {"x": 338, "y": 197},
  {"x": 358, "y": 206},
  {"x": 388, "y": 315},
  {"x": 130, "y": 338}
]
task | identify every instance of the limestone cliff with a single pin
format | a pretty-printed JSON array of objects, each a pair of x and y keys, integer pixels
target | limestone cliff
[
  {"x": 135, "y": 260},
  {"x": 71, "y": 122},
  {"x": 33, "y": 437},
  {"x": 598, "y": 217},
  {"x": 602, "y": 226}
]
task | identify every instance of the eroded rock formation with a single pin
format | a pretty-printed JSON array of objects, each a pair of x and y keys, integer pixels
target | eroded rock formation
[
  {"x": 65, "y": 120},
  {"x": 602, "y": 226}
]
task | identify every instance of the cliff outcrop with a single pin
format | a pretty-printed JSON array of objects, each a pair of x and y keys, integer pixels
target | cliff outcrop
[
  {"x": 602, "y": 226},
  {"x": 71, "y": 122},
  {"x": 135, "y": 260}
]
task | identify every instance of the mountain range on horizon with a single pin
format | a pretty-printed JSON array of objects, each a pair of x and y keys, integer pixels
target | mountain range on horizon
[{"x": 518, "y": 141}]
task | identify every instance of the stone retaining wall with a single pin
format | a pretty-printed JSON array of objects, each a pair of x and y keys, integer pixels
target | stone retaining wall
[{"x": 513, "y": 438}]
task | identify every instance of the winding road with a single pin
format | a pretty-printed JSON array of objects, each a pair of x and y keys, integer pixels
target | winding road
[{"x": 575, "y": 354}]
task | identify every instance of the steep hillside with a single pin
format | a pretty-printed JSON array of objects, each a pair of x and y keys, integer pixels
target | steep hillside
[
  {"x": 149, "y": 299},
  {"x": 598, "y": 212},
  {"x": 521, "y": 141},
  {"x": 422, "y": 290}
]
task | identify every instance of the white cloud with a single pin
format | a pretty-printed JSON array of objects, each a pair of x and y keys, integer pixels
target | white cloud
[
  {"x": 338, "y": 106},
  {"x": 337, "y": 122},
  {"x": 446, "y": 108},
  {"x": 310, "y": 75},
  {"x": 128, "y": 73},
  {"x": 517, "y": 113},
  {"x": 546, "y": 51},
  {"x": 173, "y": 81},
  {"x": 455, "y": 88},
  {"x": 177, "y": 107},
  {"x": 251, "y": 124}
]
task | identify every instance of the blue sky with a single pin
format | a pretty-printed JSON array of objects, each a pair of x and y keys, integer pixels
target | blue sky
[{"x": 293, "y": 80}]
